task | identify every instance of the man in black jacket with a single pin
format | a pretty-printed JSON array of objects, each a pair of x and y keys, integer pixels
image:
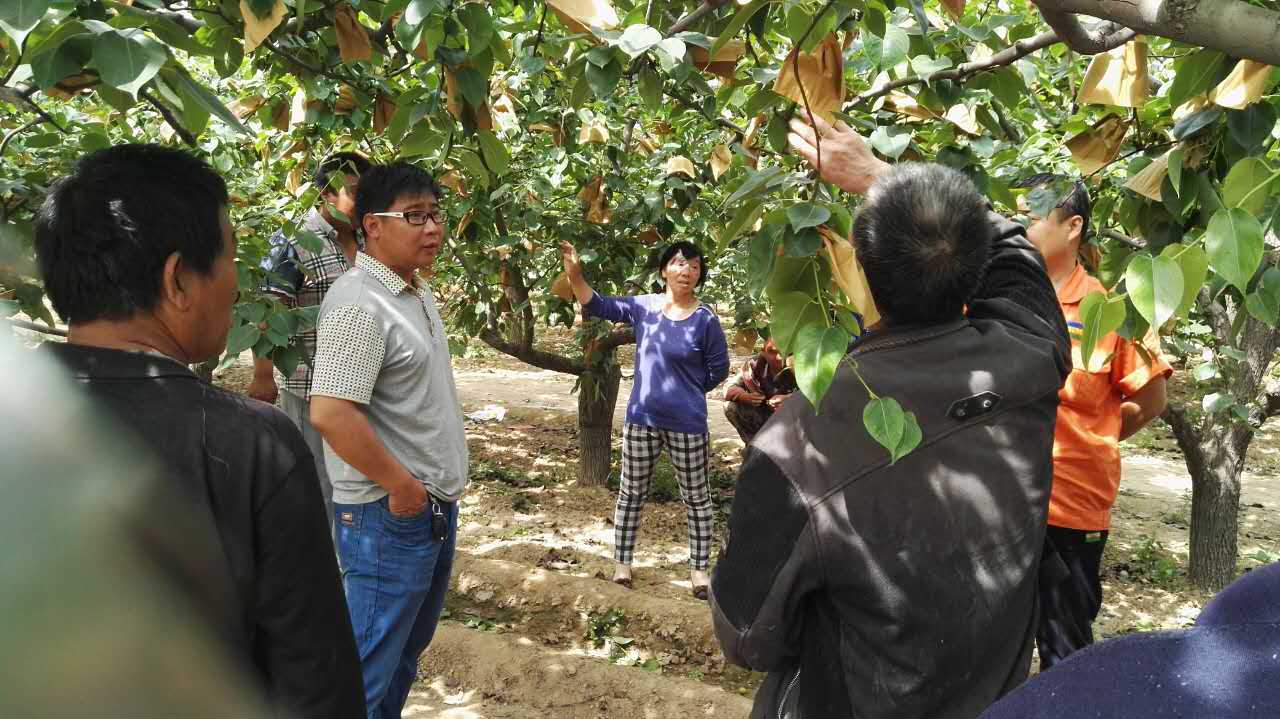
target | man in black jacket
[
  {"x": 138, "y": 255},
  {"x": 876, "y": 589}
]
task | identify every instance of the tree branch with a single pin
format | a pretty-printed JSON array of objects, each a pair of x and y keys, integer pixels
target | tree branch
[
  {"x": 20, "y": 95},
  {"x": 1232, "y": 26},
  {"x": 616, "y": 339},
  {"x": 697, "y": 14},
  {"x": 529, "y": 355},
  {"x": 168, "y": 116},
  {"x": 1124, "y": 239},
  {"x": 1084, "y": 40},
  {"x": 1007, "y": 56},
  {"x": 4, "y": 144}
]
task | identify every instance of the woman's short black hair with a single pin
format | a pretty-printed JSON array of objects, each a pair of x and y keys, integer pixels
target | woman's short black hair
[
  {"x": 923, "y": 239},
  {"x": 690, "y": 251},
  {"x": 106, "y": 230},
  {"x": 382, "y": 185},
  {"x": 348, "y": 163}
]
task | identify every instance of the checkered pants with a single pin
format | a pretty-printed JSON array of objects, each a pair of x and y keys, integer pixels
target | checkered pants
[{"x": 688, "y": 452}]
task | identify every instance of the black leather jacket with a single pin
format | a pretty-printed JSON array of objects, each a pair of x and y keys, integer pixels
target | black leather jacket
[
  {"x": 237, "y": 525},
  {"x": 907, "y": 589}
]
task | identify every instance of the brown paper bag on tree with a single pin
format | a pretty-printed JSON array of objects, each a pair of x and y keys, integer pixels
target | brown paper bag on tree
[
  {"x": 848, "y": 274},
  {"x": 721, "y": 159},
  {"x": 454, "y": 181},
  {"x": 562, "y": 288},
  {"x": 955, "y": 8},
  {"x": 649, "y": 237},
  {"x": 821, "y": 73},
  {"x": 1118, "y": 77},
  {"x": 257, "y": 29},
  {"x": 1098, "y": 146},
  {"x": 725, "y": 61},
  {"x": 744, "y": 341},
  {"x": 1147, "y": 182},
  {"x": 582, "y": 15},
  {"x": 597, "y": 202},
  {"x": 280, "y": 113},
  {"x": 384, "y": 108},
  {"x": 593, "y": 132},
  {"x": 353, "y": 40},
  {"x": 346, "y": 102},
  {"x": 1243, "y": 87},
  {"x": 246, "y": 106},
  {"x": 680, "y": 165}
]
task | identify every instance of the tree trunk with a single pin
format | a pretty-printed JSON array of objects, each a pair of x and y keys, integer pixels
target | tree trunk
[
  {"x": 1215, "y": 507},
  {"x": 597, "y": 396}
]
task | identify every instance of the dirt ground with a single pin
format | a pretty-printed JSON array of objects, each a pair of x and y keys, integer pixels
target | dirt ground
[{"x": 535, "y": 550}]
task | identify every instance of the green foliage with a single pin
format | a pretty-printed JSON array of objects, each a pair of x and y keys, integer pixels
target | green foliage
[{"x": 1152, "y": 563}]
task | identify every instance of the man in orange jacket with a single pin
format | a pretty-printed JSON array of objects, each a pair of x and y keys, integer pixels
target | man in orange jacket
[{"x": 1114, "y": 397}]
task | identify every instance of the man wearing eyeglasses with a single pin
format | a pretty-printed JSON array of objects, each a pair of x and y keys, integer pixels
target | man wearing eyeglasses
[{"x": 383, "y": 397}]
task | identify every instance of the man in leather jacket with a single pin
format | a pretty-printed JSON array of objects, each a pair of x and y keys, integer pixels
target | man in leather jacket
[{"x": 873, "y": 588}]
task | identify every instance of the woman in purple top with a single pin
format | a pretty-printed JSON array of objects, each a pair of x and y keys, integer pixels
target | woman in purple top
[{"x": 681, "y": 354}]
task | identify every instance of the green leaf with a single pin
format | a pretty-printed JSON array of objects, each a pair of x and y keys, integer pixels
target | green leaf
[
  {"x": 761, "y": 257},
  {"x": 604, "y": 79},
  {"x": 885, "y": 422},
  {"x": 1252, "y": 126},
  {"x": 746, "y": 215},
  {"x": 242, "y": 338},
  {"x": 1234, "y": 243},
  {"x": 47, "y": 68},
  {"x": 818, "y": 353},
  {"x": 287, "y": 360},
  {"x": 735, "y": 25},
  {"x": 181, "y": 81},
  {"x": 495, "y": 152},
  {"x": 889, "y": 50},
  {"x": 1216, "y": 402},
  {"x": 891, "y": 141},
  {"x": 777, "y": 132},
  {"x": 475, "y": 168},
  {"x": 128, "y": 59},
  {"x": 671, "y": 52},
  {"x": 1205, "y": 372},
  {"x": 1100, "y": 315},
  {"x": 925, "y": 65},
  {"x": 1194, "y": 264},
  {"x": 1247, "y": 185},
  {"x": 792, "y": 311},
  {"x": 762, "y": 100},
  {"x": 1195, "y": 122},
  {"x": 473, "y": 86},
  {"x": 1175, "y": 170},
  {"x": 911, "y": 436},
  {"x": 637, "y": 39},
  {"x": 651, "y": 88},
  {"x": 1195, "y": 75},
  {"x": 804, "y": 243},
  {"x": 479, "y": 24},
  {"x": 756, "y": 181},
  {"x": 19, "y": 17},
  {"x": 807, "y": 214},
  {"x": 1155, "y": 287},
  {"x": 1264, "y": 302}
]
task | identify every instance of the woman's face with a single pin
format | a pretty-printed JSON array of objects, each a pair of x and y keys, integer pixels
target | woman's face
[{"x": 681, "y": 274}]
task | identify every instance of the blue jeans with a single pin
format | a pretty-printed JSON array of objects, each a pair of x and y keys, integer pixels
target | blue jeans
[{"x": 395, "y": 574}]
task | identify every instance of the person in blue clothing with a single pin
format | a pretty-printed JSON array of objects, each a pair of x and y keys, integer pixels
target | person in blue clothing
[{"x": 681, "y": 355}]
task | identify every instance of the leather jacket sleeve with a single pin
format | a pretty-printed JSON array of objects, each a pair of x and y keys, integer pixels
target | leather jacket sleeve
[
  {"x": 769, "y": 565},
  {"x": 1016, "y": 291}
]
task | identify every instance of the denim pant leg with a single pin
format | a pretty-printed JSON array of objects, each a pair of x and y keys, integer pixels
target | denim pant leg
[
  {"x": 299, "y": 410},
  {"x": 424, "y": 628},
  {"x": 388, "y": 570}
]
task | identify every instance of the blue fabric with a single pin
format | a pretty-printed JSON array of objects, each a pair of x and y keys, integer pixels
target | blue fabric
[
  {"x": 1225, "y": 667},
  {"x": 396, "y": 575},
  {"x": 677, "y": 362}
]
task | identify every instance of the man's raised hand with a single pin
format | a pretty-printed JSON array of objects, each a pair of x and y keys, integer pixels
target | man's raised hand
[{"x": 847, "y": 161}]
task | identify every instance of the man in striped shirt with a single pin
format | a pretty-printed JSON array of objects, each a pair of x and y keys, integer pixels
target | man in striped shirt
[{"x": 300, "y": 272}]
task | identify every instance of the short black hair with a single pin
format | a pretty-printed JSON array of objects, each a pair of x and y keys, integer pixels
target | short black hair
[
  {"x": 690, "y": 252},
  {"x": 348, "y": 163},
  {"x": 923, "y": 238},
  {"x": 382, "y": 185},
  {"x": 1075, "y": 203},
  {"x": 105, "y": 231}
]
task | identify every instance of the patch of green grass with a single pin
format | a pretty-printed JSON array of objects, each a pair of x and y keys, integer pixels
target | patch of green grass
[{"x": 1153, "y": 563}]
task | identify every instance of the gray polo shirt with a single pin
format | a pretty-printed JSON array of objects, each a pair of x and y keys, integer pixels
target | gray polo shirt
[{"x": 381, "y": 343}]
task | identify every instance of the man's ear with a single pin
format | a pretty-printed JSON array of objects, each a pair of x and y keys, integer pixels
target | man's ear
[
  {"x": 370, "y": 225},
  {"x": 173, "y": 287},
  {"x": 1075, "y": 223}
]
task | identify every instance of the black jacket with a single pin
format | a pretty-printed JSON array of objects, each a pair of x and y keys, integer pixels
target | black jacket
[
  {"x": 905, "y": 590},
  {"x": 237, "y": 525}
]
